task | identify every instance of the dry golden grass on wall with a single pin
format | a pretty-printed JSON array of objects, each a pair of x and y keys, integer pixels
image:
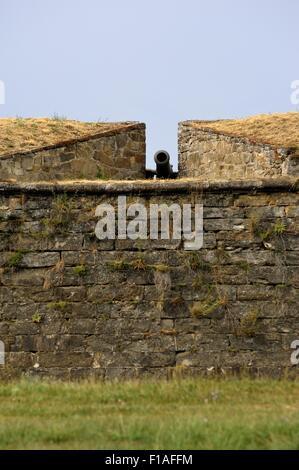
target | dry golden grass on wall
[
  {"x": 281, "y": 129},
  {"x": 21, "y": 135}
]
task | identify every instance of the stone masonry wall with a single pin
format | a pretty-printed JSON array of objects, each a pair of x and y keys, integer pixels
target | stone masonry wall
[
  {"x": 208, "y": 154},
  {"x": 73, "y": 306},
  {"x": 114, "y": 154}
]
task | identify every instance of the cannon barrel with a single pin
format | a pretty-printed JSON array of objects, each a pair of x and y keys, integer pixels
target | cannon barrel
[{"x": 163, "y": 167}]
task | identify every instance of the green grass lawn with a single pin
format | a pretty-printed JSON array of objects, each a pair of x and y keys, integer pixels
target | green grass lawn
[{"x": 179, "y": 414}]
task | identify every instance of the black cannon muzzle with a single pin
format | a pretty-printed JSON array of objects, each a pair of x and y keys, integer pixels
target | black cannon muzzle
[{"x": 163, "y": 167}]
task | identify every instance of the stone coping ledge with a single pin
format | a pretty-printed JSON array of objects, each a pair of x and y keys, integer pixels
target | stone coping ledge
[
  {"x": 123, "y": 127},
  {"x": 185, "y": 185}
]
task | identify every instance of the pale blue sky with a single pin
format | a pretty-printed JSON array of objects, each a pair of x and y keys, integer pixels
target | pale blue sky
[{"x": 157, "y": 61}]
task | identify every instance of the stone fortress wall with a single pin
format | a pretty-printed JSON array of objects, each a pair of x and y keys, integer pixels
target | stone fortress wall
[
  {"x": 208, "y": 154},
  {"x": 112, "y": 154},
  {"x": 74, "y": 306}
]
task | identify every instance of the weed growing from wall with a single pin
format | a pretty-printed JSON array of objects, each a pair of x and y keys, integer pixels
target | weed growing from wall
[{"x": 60, "y": 217}]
